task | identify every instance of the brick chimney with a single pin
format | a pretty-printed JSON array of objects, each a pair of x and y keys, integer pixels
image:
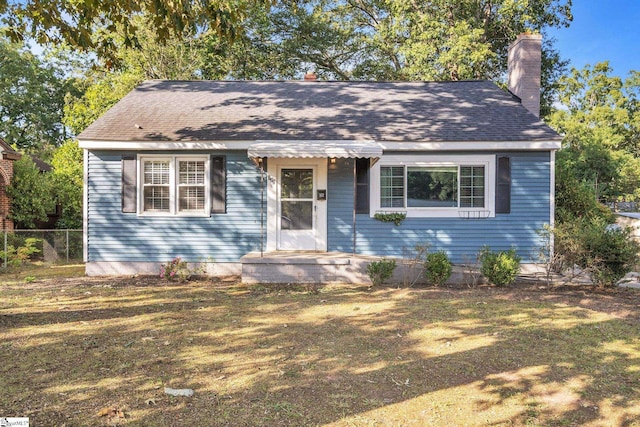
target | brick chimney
[
  {"x": 524, "y": 62},
  {"x": 310, "y": 76}
]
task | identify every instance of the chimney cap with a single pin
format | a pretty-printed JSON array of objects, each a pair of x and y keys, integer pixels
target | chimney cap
[
  {"x": 529, "y": 35},
  {"x": 310, "y": 76},
  {"x": 525, "y": 36}
]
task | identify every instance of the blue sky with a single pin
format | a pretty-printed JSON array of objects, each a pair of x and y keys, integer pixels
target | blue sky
[{"x": 602, "y": 30}]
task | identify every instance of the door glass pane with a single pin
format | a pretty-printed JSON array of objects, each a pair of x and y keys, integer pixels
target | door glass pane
[
  {"x": 296, "y": 183},
  {"x": 296, "y": 215}
]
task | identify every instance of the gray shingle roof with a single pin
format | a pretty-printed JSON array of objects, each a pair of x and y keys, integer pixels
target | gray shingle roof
[
  {"x": 6, "y": 151},
  {"x": 321, "y": 110}
]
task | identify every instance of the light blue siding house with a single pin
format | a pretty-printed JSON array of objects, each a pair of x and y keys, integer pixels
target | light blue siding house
[{"x": 240, "y": 171}]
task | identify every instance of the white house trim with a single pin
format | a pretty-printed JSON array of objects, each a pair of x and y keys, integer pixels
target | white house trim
[{"x": 85, "y": 206}]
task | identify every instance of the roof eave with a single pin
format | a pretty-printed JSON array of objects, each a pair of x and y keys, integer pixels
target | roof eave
[{"x": 526, "y": 145}]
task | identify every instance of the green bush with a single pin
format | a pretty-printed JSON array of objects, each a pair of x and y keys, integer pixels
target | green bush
[
  {"x": 615, "y": 255},
  {"x": 438, "y": 268},
  {"x": 576, "y": 196},
  {"x": 379, "y": 271},
  {"x": 176, "y": 269},
  {"x": 30, "y": 193},
  {"x": 606, "y": 253},
  {"x": 395, "y": 217},
  {"x": 21, "y": 255},
  {"x": 500, "y": 268}
]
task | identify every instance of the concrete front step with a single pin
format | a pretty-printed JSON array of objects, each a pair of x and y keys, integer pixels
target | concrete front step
[
  {"x": 304, "y": 267},
  {"x": 325, "y": 267}
]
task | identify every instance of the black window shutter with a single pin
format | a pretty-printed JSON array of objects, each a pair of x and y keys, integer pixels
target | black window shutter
[
  {"x": 129, "y": 190},
  {"x": 362, "y": 186},
  {"x": 218, "y": 184},
  {"x": 503, "y": 185}
]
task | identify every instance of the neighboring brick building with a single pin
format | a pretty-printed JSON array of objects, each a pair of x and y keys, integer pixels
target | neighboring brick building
[{"x": 6, "y": 173}]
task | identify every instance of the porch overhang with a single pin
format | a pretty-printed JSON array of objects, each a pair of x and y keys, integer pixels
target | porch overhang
[{"x": 315, "y": 149}]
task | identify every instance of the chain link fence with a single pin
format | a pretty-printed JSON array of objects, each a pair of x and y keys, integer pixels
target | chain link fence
[
  {"x": 50, "y": 246},
  {"x": 624, "y": 206}
]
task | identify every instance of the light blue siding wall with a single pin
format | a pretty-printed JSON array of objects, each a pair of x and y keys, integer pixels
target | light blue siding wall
[
  {"x": 117, "y": 236},
  {"x": 461, "y": 238},
  {"x": 340, "y": 206}
]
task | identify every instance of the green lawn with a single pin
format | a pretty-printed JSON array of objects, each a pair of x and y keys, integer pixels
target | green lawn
[{"x": 99, "y": 351}]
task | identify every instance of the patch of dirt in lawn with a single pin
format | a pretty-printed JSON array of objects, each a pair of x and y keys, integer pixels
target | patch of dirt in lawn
[{"x": 100, "y": 351}]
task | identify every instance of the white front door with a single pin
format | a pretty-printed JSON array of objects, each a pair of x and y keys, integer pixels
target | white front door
[{"x": 297, "y": 211}]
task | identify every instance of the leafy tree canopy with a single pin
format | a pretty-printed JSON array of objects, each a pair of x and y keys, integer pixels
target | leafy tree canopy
[
  {"x": 67, "y": 181},
  {"x": 599, "y": 116},
  {"x": 102, "y": 91},
  {"x": 31, "y": 100},
  {"x": 80, "y": 22},
  {"x": 30, "y": 193}
]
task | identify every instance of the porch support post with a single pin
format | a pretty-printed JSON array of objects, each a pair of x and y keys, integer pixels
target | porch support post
[
  {"x": 355, "y": 187},
  {"x": 261, "y": 208}
]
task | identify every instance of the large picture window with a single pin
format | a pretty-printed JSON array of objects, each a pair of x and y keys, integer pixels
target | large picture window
[
  {"x": 174, "y": 185},
  {"x": 432, "y": 187},
  {"x": 435, "y": 186}
]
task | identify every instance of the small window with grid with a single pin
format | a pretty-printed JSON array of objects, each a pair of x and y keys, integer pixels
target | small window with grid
[
  {"x": 156, "y": 183},
  {"x": 191, "y": 185},
  {"x": 472, "y": 186},
  {"x": 392, "y": 187}
]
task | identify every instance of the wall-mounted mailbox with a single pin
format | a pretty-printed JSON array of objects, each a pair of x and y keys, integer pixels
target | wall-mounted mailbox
[{"x": 322, "y": 195}]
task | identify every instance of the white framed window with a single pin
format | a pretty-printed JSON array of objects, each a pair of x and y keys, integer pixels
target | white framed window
[
  {"x": 434, "y": 186},
  {"x": 174, "y": 185},
  {"x": 156, "y": 183},
  {"x": 192, "y": 184}
]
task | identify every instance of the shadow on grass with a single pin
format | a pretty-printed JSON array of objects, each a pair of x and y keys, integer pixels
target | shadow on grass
[{"x": 260, "y": 356}]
